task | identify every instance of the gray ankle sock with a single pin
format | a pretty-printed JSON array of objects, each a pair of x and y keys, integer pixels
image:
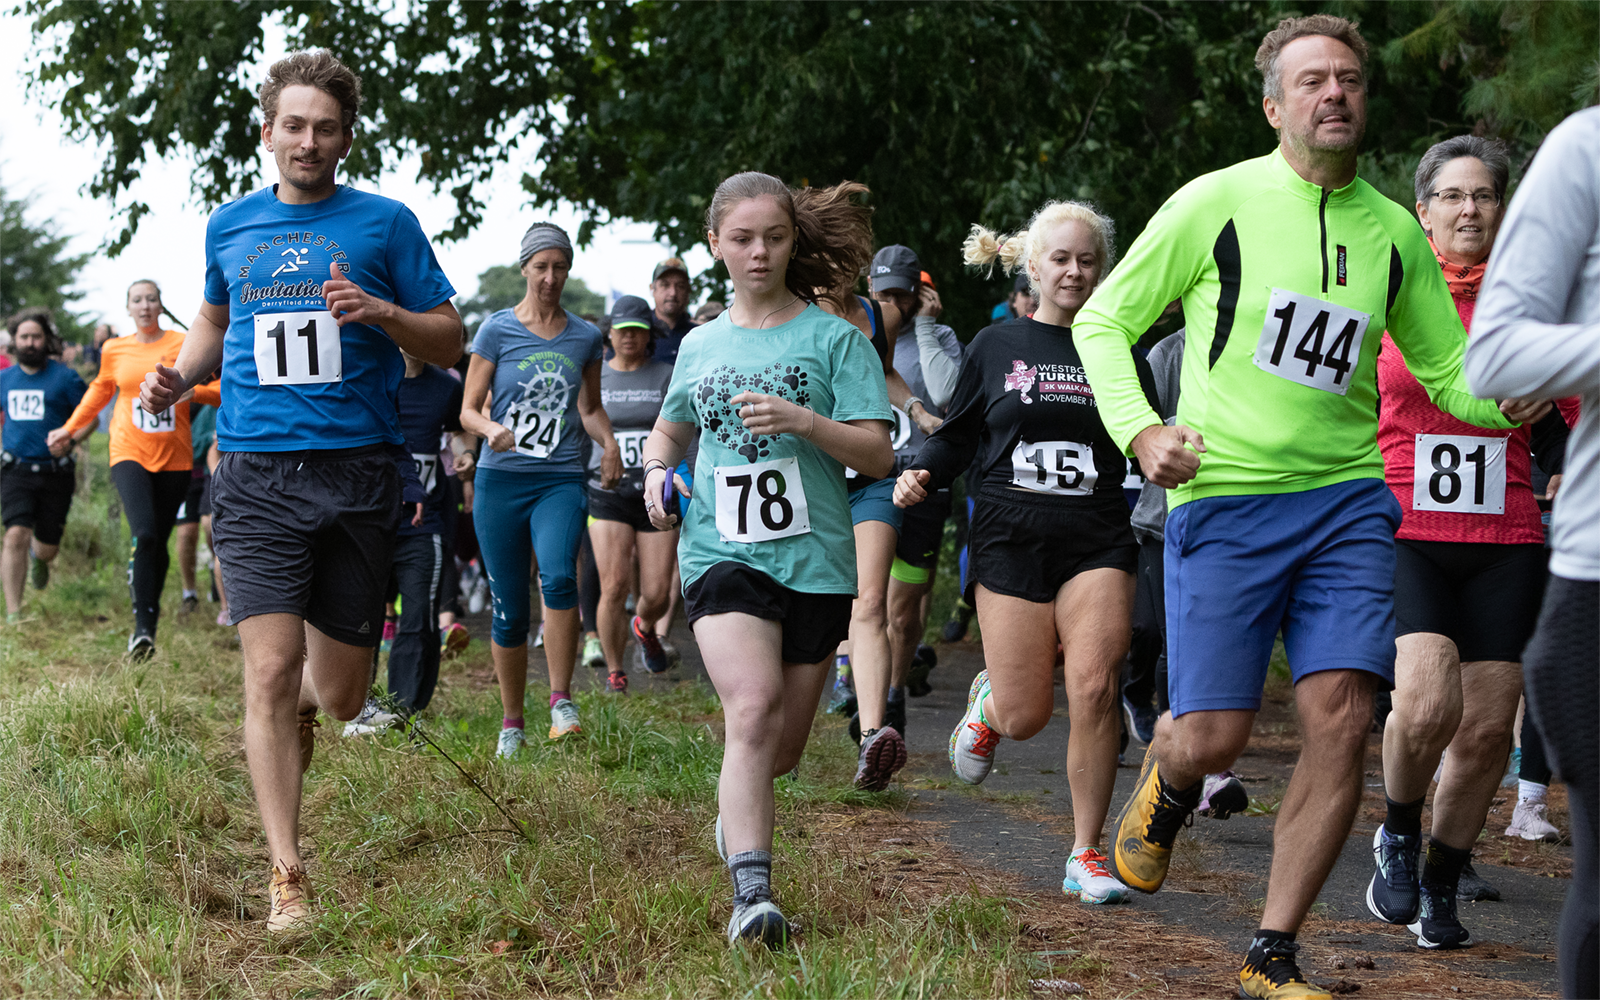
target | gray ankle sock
[{"x": 752, "y": 874}]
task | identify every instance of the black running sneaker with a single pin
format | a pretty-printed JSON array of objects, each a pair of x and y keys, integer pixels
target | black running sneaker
[
  {"x": 1392, "y": 893},
  {"x": 894, "y": 714},
  {"x": 1474, "y": 888},
  {"x": 1436, "y": 925},
  {"x": 956, "y": 628},
  {"x": 1273, "y": 974},
  {"x": 922, "y": 663}
]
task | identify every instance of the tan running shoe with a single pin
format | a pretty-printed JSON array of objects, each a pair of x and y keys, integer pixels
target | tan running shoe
[
  {"x": 308, "y": 739},
  {"x": 1149, "y": 824},
  {"x": 290, "y": 892}
]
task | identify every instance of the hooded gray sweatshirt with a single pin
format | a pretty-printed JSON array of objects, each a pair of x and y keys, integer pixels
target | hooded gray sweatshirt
[{"x": 1536, "y": 331}]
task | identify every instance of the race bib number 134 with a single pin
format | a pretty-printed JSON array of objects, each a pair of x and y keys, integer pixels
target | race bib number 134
[{"x": 1310, "y": 341}]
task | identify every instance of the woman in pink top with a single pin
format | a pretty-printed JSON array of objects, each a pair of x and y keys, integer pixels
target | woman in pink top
[{"x": 1469, "y": 575}]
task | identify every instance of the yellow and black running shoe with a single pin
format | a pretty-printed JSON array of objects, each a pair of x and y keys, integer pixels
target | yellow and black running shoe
[
  {"x": 1272, "y": 973},
  {"x": 1147, "y": 827}
]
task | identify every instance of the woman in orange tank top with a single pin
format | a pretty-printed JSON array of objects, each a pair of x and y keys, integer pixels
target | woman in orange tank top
[{"x": 151, "y": 454}]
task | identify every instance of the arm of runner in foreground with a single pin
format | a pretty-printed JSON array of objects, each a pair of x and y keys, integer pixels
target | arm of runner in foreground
[
  {"x": 1521, "y": 342},
  {"x": 1114, "y": 318}
]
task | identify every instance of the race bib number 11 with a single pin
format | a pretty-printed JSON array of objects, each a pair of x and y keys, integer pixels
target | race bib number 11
[
  {"x": 760, "y": 502},
  {"x": 1463, "y": 473},
  {"x": 1310, "y": 341},
  {"x": 298, "y": 348}
]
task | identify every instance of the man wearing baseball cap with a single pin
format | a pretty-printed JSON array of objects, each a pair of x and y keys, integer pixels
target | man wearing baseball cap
[{"x": 669, "y": 286}]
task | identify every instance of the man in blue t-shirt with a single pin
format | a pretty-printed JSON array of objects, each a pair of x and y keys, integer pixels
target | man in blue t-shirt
[
  {"x": 35, "y": 481},
  {"x": 312, "y": 289}
]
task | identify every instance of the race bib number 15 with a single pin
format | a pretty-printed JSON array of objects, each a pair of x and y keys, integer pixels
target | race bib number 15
[
  {"x": 1463, "y": 473},
  {"x": 760, "y": 502},
  {"x": 1061, "y": 467},
  {"x": 1312, "y": 342},
  {"x": 298, "y": 348}
]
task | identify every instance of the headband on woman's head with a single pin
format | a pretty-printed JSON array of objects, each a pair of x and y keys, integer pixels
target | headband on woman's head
[{"x": 545, "y": 236}]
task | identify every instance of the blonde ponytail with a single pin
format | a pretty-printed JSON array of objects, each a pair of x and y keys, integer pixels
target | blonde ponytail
[{"x": 983, "y": 247}]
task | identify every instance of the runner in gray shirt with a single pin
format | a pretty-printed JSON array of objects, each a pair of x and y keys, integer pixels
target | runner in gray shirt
[
  {"x": 1537, "y": 333},
  {"x": 632, "y": 386}
]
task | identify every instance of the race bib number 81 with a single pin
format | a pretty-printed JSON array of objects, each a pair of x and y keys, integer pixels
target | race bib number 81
[
  {"x": 1461, "y": 473},
  {"x": 1061, "y": 467},
  {"x": 1310, "y": 341},
  {"x": 298, "y": 348},
  {"x": 760, "y": 502}
]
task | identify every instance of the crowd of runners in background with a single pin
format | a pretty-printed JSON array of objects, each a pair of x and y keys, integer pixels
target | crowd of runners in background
[{"x": 1318, "y": 456}]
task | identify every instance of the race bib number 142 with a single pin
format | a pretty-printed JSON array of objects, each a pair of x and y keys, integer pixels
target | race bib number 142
[{"x": 1310, "y": 341}]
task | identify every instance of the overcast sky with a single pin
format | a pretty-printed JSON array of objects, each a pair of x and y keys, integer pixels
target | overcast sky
[{"x": 38, "y": 159}]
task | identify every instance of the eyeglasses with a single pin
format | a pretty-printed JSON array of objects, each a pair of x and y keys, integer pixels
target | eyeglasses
[{"x": 1454, "y": 198}]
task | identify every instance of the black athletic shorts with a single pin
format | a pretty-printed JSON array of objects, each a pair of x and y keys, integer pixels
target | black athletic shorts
[
  {"x": 1027, "y": 545},
  {"x": 37, "y": 500},
  {"x": 1483, "y": 597},
  {"x": 605, "y": 505},
  {"x": 922, "y": 531},
  {"x": 813, "y": 624},
  {"x": 195, "y": 504},
  {"x": 308, "y": 533}
]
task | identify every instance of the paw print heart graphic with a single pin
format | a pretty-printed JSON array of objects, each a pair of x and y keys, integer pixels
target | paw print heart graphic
[{"x": 790, "y": 382}]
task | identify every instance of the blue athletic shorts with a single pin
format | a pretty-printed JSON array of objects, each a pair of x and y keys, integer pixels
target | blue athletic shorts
[
  {"x": 1317, "y": 565},
  {"x": 876, "y": 503}
]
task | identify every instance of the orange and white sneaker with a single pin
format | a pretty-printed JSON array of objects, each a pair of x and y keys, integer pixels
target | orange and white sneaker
[
  {"x": 290, "y": 892},
  {"x": 564, "y": 719},
  {"x": 973, "y": 742},
  {"x": 308, "y": 739},
  {"x": 1089, "y": 879}
]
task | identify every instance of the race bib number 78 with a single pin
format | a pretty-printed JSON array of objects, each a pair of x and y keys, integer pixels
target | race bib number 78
[
  {"x": 1310, "y": 341},
  {"x": 760, "y": 502}
]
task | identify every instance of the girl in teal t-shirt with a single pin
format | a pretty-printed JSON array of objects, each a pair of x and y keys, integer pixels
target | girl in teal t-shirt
[{"x": 782, "y": 396}]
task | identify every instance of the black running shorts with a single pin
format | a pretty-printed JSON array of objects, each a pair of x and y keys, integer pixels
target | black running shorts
[
  {"x": 605, "y": 505},
  {"x": 1484, "y": 597},
  {"x": 38, "y": 501},
  {"x": 308, "y": 533},
  {"x": 1027, "y": 545},
  {"x": 194, "y": 504},
  {"x": 813, "y": 624},
  {"x": 922, "y": 531}
]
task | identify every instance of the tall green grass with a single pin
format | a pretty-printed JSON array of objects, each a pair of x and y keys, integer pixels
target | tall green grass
[{"x": 132, "y": 860}]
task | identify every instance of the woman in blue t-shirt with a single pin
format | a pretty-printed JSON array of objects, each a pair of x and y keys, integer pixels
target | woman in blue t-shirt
[
  {"x": 781, "y": 396},
  {"x": 539, "y": 366}
]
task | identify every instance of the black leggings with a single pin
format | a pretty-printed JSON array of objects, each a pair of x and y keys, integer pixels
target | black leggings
[
  {"x": 1563, "y": 691},
  {"x": 151, "y": 501}
]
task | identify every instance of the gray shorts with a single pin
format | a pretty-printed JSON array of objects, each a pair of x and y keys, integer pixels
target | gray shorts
[{"x": 308, "y": 533}]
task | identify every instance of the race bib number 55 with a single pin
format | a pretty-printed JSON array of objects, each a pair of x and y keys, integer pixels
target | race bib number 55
[
  {"x": 1312, "y": 342},
  {"x": 760, "y": 502},
  {"x": 298, "y": 348},
  {"x": 1463, "y": 473}
]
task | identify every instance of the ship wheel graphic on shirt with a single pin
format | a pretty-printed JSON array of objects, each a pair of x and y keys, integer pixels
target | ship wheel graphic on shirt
[{"x": 536, "y": 417}]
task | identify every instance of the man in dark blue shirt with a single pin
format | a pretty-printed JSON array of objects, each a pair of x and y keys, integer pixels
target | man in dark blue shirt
[
  {"x": 669, "y": 287},
  {"x": 430, "y": 406},
  {"x": 35, "y": 482}
]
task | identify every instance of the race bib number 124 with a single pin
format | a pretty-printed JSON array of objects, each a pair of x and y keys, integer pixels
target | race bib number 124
[{"x": 1310, "y": 341}]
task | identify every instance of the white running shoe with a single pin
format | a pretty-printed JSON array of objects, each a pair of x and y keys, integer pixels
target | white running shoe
[
  {"x": 564, "y": 719},
  {"x": 1528, "y": 822},
  {"x": 972, "y": 744},
  {"x": 758, "y": 919},
  {"x": 722, "y": 843},
  {"x": 511, "y": 741},
  {"x": 1090, "y": 880},
  {"x": 373, "y": 719},
  {"x": 593, "y": 656}
]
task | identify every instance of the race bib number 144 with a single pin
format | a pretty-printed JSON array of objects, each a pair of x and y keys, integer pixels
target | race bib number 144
[{"x": 1310, "y": 341}]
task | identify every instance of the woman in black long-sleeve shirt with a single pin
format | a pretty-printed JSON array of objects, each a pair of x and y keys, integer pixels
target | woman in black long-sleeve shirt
[{"x": 1052, "y": 554}]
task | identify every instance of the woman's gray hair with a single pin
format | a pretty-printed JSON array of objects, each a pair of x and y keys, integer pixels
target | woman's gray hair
[{"x": 1490, "y": 152}]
